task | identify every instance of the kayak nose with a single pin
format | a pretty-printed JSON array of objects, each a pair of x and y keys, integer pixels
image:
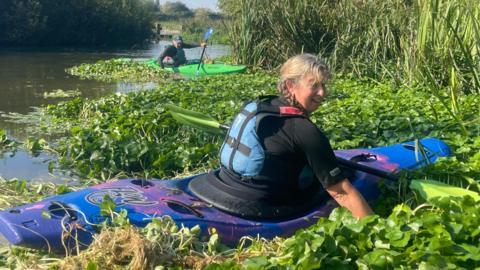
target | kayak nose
[
  {"x": 437, "y": 147},
  {"x": 37, "y": 226}
]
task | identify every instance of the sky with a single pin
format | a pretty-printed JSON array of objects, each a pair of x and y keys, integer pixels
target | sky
[{"x": 192, "y": 4}]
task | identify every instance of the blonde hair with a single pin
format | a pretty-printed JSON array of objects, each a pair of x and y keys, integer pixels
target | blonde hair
[{"x": 298, "y": 66}]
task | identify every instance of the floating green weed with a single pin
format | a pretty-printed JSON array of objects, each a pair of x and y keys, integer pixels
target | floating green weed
[
  {"x": 59, "y": 93},
  {"x": 16, "y": 192},
  {"x": 7, "y": 144},
  {"x": 38, "y": 122},
  {"x": 133, "y": 134},
  {"x": 123, "y": 69}
]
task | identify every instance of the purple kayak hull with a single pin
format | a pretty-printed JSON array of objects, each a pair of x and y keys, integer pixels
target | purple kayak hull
[{"x": 76, "y": 213}]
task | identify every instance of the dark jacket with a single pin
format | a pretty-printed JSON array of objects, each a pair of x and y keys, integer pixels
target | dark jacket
[
  {"x": 177, "y": 55},
  {"x": 289, "y": 143}
]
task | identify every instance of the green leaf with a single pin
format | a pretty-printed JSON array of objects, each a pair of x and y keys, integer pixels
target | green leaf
[
  {"x": 381, "y": 259},
  {"x": 51, "y": 166},
  {"x": 96, "y": 155},
  {"x": 213, "y": 241},
  {"x": 254, "y": 263},
  {"x": 398, "y": 238},
  {"x": 107, "y": 206},
  {"x": 91, "y": 266},
  {"x": 62, "y": 189},
  {"x": 430, "y": 189}
]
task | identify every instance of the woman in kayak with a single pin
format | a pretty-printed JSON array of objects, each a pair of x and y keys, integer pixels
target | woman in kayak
[{"x": 274, "y": 160}]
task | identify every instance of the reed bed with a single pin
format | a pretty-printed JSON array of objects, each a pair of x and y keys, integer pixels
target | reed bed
[
  {"x": 430, "y": 44},
  {"x": 403, "y": 40}
]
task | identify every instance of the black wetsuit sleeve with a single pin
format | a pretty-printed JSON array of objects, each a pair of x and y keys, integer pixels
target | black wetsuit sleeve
[
  {"x": 318, "y": 152},
  {"x": 169, "y": 51},
  {"x": 190, "y": 45}
]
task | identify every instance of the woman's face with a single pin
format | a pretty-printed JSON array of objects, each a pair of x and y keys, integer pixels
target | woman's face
[{"x": 307, "y": 92}]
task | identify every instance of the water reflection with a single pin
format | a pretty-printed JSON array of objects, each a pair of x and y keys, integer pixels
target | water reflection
[
  {"x": 124, "y": 87},
  {"x": 22, "y": 165}
]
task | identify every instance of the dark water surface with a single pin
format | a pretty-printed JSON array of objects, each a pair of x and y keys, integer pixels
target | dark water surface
[{"x": 26, "y": 74}]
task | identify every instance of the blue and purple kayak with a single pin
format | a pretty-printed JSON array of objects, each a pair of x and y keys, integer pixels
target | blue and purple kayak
[{"x": 40, "y": 225}]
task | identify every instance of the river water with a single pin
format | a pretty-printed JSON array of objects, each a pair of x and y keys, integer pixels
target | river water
[{"x": 26, "y": 74}]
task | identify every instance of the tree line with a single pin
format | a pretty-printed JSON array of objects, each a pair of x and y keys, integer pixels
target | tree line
[
  {"x": 75, "y": 22},
  {"x": 192, "y": 22},
  {"x": 176, "y": 11}
]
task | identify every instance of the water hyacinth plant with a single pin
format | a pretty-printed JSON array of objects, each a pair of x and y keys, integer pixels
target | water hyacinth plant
[
  {"x": 133, "y": 134},
  {"x": 122, "y": 69}
]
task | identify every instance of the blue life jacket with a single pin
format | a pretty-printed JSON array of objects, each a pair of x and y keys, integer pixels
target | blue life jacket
[{"x": 242, "y": 152}]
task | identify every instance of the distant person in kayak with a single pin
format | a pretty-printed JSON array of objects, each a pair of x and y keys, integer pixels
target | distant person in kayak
[
  {"x": 274, "y": 159},
  {"x": 174, "y": 54}
]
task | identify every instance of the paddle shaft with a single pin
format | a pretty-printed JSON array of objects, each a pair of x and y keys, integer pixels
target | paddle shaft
[
  {"x": 206, "y": 36},
  {"x": 201, "y": 58},
  {"x": 367, "y": 169}
]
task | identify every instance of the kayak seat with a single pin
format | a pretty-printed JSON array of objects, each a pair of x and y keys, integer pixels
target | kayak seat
[{"x": 206, "y": 188}]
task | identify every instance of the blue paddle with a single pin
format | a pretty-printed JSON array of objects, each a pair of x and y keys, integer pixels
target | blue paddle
[{"x": 205, "y": 38}]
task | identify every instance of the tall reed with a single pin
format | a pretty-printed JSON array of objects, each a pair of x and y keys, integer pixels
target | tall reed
[
  {"x": 356, "y": 35},
  {"x": 445, "y": 51},
  {"x": 368, "y": 35},
  {"x": 434, "y": 44},
  {"x": 248, "y": 31},
  {"x": 394, "y": 38},
  {"x": 447, "y": 44}
]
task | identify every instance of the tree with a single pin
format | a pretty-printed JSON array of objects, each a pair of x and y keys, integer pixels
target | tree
[
  {"x": 205, "y": 14},
  {"x": 176, "y": 10},
  {"x": 21, "y": 20},
  {"x": 75, "y": 22}
]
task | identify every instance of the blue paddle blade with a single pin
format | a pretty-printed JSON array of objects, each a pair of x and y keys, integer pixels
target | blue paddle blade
[{"x": 208, "y": 33}]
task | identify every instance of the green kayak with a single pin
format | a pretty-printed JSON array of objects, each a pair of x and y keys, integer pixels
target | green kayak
[{"x": 205, "y": 69}]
